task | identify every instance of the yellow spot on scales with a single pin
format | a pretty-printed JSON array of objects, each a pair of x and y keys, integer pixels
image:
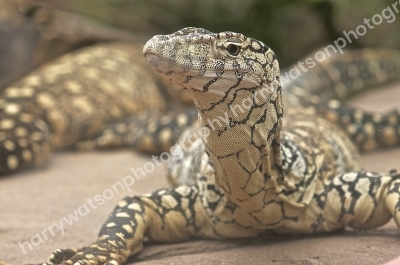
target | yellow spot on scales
[
  {"x": 27, "y": 155},
  {"x": 134, "y": 206},
  {"x": 122, "y": 214},
  {"x": 21, "y": 132},
  {"x": 12, "y": 109},
  {"x": 27, "y": 118},
  {"x": 73, "y": 87},
  {"x": 111, "y": 224},
  {"x": 91, "y": 73},
  {"x": 33, "y": 80},
  {"x": 82, "y": 104},
  {"x": 165, "y": 136},
  {"x": 12, "y": 162},
  {"x": 23, "y": 142},
  {"x": 36, "y": 136},
  {"x": 45, "y": 100},
  {"x": 182, "y": 119},
  {"x": 9, "y": 145},
  {"x": 7, "y": 124},
  {"x": 128, "y": 228}
]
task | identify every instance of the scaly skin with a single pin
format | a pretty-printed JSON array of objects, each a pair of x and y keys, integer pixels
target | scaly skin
[
  {"x": 338, "y": 78},
  {"x": 64, "y": 102},
  {"x": 263, "y": 169}
]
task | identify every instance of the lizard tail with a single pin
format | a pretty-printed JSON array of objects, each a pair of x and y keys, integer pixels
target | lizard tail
[{"x": 341, "y": 76}]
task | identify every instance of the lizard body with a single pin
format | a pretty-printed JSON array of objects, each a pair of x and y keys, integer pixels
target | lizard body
[{"x": 273, "y": 166}]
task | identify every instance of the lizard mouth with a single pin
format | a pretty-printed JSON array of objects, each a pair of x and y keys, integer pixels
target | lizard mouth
[
  {"x": 171, "y": 70},
  {"x": 158, "y": 61}
]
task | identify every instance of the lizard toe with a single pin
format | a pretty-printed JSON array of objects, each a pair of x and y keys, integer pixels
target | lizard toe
[{"x": 60, "y": 255}]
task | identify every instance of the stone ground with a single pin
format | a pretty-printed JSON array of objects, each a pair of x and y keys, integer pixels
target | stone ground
[{"x": 33, "y": 200}]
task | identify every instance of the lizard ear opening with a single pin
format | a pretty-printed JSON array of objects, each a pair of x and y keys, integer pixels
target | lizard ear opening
[{"x": 178, "y": 46}]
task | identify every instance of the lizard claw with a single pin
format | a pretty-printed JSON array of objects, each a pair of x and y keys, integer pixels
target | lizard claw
[{"x": 95, "y": 254}]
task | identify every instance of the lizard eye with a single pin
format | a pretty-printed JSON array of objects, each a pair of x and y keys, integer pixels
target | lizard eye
[{"x": 233, "y": 49}]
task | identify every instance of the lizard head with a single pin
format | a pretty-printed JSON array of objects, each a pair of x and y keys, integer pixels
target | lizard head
[{"x": 216, "y": 63}]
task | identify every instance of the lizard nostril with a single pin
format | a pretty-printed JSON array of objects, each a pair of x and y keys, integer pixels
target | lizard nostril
[{"x": 178, "y": 46}]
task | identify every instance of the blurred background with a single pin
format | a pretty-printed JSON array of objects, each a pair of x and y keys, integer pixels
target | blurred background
[{"x": 32, "y": 32}]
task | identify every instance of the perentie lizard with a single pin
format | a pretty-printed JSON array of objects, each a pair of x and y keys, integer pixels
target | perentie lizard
[{"x": 267, "y": 168}]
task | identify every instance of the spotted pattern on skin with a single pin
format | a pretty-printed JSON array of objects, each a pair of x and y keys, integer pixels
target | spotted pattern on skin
[
  {"x": 341, "y": 77},
  {"x": 263, "y": 169},
  {"x": 65, "y": 101},
  {"x": 150, "y": 132}
]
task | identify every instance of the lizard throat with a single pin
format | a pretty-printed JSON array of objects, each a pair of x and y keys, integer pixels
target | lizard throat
[{"x": 244, "y": 144}]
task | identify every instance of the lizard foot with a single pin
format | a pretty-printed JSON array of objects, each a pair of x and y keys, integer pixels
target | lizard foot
[
  {"x": 62, "y": 254},
  {"x": 95, "y": 254}
]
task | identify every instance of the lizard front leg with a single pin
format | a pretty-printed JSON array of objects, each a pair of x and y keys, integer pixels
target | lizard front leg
[
  {"x": 166, "y": 215},
  {"x": 362, "y": 200}
]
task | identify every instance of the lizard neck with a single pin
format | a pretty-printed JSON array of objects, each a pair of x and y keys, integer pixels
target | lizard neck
[{"x": 244, "y": 141}]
